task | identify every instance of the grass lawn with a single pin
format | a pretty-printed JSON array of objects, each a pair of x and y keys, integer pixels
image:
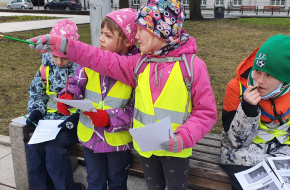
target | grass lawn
[
  {"x": 24, "y": 18},
  {"x": 222, "y": 44}
]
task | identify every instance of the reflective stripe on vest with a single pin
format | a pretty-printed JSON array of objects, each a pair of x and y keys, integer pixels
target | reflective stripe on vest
[
  {"x": 172, "y": 102},
  {"x": 51, "y": 105},
  {"x": 118, "y": 97},
  {"x": 266, "y": 134}
]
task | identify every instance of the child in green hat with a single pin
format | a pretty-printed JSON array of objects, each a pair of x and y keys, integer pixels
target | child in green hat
[{"x": 256, "y": 108}]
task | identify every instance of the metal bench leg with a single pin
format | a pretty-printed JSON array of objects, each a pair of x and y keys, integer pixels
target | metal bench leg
[
  {"x": 19, "y": 156},
  {"x": 272, "y": 10}
]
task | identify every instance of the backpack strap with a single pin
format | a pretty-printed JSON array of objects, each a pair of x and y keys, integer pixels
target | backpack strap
[
  {"x": 188, "y": 58},
  {"x": 43, "y": 73}
]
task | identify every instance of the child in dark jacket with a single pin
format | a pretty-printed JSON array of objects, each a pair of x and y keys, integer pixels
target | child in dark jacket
[
  {"x": 256, "y": 109},
  {"x": 49, "y": 162}
]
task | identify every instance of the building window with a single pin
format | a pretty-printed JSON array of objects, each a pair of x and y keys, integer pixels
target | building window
[
  {"x": 278, "y": 2},
  {"x": 219, "y": 2},
  {"x": 185, "y": 2},
  {"x": 202, "y": 2},
  {"x": 237, "y": 2},
  {"x": 136, "y": 2}
]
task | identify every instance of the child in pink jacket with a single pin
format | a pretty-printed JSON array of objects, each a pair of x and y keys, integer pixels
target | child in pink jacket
[{"x": 166, "y": 86}]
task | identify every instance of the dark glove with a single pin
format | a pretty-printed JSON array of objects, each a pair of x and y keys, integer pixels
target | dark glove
[
  {"x": 63, "y": 108},
  {"x": 100, "y": 118},
  {"x": 71, "y": 123},
  {"x": 34, "y": 116},
  {"x": 173, "y": 145}
]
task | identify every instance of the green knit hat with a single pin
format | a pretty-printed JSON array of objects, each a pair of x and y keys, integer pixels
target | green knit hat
[{"x": 274, "y": 58}]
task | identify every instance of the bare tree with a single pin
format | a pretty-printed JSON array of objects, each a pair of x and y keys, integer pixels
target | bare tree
[
  {"x": 123, "y": 4},
  {"x": 195, "y": 10}
]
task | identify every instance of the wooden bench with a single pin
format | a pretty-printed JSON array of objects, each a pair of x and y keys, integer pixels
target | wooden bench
[
  {"x": 204, "y": 169},
  {"x": 205, "y": 173},
  {"x": 272, "y": 8},
  {"x": 247, "y": 7}
]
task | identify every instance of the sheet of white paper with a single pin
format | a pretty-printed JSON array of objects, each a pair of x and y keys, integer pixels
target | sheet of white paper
[
  {"x": 85, "y": 105},
  {"x": 21, "y": 119},
  {"x": 46, "y": 130},
  {"x": 281, "y": 167},
  {"x": 259, "y": 176},
  {"x": 151, "y": 137}
]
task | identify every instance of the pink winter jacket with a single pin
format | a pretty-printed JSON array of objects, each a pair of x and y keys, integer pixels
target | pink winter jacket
[{"x": 203, "y": 115}]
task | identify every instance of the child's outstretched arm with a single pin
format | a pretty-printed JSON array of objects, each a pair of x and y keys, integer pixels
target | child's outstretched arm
[{"x": 106, "y": 63}]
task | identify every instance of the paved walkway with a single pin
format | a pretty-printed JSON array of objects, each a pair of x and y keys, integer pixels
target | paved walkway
[{"x": 7, "y": 180}]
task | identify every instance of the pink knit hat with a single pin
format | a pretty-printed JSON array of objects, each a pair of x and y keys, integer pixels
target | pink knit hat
[
  {"x": 125, "y": 19},
  {"x": 67, "y": 29}
]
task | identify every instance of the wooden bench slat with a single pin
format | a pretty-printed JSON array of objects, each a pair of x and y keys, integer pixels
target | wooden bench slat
[
  {"x": 206, "y": 149},
  {"x": 198, "y": 183},
  {"x": 205, "y": 157},
  {"x": 210, "y": 143},
  {"x": 212, "y": 136}
]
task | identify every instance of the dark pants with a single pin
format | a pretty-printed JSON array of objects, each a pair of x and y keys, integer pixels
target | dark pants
[
  {"x": 111, "y": 166},
  {"x": 160, "y": 171},
  {"x": 231, "y": 170},
  {"x": 49, "y": 164}
]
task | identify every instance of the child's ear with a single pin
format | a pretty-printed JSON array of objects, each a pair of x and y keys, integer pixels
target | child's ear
[{"x": 127, "y": 43}]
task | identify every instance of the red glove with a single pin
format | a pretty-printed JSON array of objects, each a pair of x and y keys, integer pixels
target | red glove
[
  {"x": 100, "y": 118},
  {"x": 63, "y": 108}
]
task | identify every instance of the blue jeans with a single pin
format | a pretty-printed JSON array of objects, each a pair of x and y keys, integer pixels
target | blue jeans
[
  {"x": 49, "y": 164},
  {"x": 111, "y": 167}
]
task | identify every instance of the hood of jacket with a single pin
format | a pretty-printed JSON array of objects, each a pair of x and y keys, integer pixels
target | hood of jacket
[{"x": 244, "y": 68}]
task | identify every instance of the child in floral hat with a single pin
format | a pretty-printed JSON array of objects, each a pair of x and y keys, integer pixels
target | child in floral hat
[
  {"x": 256, "y": 109},
  {"x": 49, "y": 162}
]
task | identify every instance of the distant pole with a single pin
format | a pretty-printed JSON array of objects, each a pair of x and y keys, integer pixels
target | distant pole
[
  {"x": 85, "y": 7},
  {"x": 98, "y": 10}
]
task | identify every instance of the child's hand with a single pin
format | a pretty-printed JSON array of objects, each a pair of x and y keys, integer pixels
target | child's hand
[
  {"x": 251, "y": 96},
  {"x": 34, "y": 116},
  {"x": 70, "y": 123},
  {"x": 100, "y": 118},
  {"x": 173, "y": 145},
  {"x": 48, "y": 43},
  {"x": 63, "y": 108}
]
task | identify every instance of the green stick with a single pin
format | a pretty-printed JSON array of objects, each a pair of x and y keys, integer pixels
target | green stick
[
  {"x": 251, "y": 91},
  {"x": 3, "y": 36},
  {"x": 29, "y": 119}
]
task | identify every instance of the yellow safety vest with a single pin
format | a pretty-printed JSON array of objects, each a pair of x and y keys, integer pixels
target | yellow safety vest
[
  {"x": 266, "y": 134},
  {"x": 51, "y": 105},
  {"x": 172, "y": 103},
  {"x": 118, "y": 97}
]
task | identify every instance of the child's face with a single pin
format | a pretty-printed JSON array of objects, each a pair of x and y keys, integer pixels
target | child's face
[
  {"x": 266, "y": 82},
  {"x": 60, "y": 61},
  {"x": 147, "y": 41},
  {"x": 112, "y": 41}
]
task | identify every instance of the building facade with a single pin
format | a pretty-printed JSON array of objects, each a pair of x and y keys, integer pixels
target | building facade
[{"x": 205, "y": 4}]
